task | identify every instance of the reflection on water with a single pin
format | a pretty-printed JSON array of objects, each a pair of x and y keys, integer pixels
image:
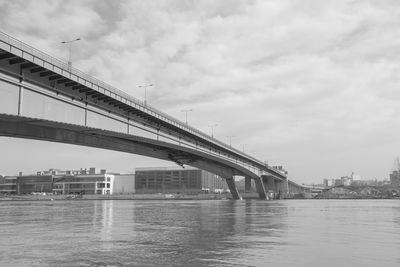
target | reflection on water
[{"x": 200, "y": 233}]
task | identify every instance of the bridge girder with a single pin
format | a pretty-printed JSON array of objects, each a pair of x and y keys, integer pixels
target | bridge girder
[
  {"x": 6, "y": 56},
  {"x": 47, "y": 75},
  {"x": 16, "y": 61},
  {"x": 38, "y": 129}
]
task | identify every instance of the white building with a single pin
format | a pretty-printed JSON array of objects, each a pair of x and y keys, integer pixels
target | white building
[{"x": 92, "y": 183}]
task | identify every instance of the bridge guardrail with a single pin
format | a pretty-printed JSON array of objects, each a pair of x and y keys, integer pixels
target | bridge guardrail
[{"x": 118, "y": 93}]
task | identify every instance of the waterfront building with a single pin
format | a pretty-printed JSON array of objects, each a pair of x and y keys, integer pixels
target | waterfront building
[
  {"x": 8, "y": 185},
  {"x": 27, "y": 184},
  {"x": 346, "y": 180},
  {"x": 338, "y": 182},
  {"x": 84, "y": 184},
  {"x": 329, "y": 182},
  {"x": 92, "y": 183},
  {"x": 83, "y": 181},
  {"x": 395, "y": 178},
  {"x": 177, "y": 180}
]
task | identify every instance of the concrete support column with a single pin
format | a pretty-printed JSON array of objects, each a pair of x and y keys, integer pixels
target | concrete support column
[
  {"x": 270, "y": 185},
  {"x": 285, "y": 189},
  {"x": 281, "y": 188},
  {"x": 247, "y": 184},
  {"x": 232, "y": 187},
  {"x": 260, "y": 188},
  {"x": 264, "y": 181}
]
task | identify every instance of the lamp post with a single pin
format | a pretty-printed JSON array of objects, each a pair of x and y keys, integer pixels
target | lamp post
[
  {"x": 145, "y": 92},
  {"x": 243, "y": 145},
  {"x": 70, "y": 49},
  {"x": 230, "y": 139},
  {"x": 212, "y": 129},
  {"x": 186, "y": 111}
]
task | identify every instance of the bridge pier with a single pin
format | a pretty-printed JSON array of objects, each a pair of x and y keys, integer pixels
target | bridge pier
[
  {"x": 277, "y": 186},
  {"x": 247, "y": 185},
  {"x": 282, "y": 189},
  {"x": 232, "y": 187},
  {"x": 260, "y": 188},
  {"x": 279, "y": 190},
  {"x": 269, "y": 183}
]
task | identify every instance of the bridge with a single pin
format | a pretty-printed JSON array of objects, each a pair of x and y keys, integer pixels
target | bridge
[{"x": 44, "y": 98}]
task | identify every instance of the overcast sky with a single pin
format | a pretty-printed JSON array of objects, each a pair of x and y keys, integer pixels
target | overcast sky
[{"x": 312, "y": 85}]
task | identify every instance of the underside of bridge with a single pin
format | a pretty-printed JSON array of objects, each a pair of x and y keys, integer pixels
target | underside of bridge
[
  {"x": 39, "y": 129},
  {"x": 45, "y": 99}
]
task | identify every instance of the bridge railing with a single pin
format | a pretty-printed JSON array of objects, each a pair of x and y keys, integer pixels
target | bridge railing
[{"x": 119, "y": 94}]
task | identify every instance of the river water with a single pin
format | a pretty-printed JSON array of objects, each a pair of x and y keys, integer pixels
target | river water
[{"x": 200, "y": 233}]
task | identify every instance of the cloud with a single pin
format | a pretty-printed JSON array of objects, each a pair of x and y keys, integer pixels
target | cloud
[{"x": 302, "y": 83}]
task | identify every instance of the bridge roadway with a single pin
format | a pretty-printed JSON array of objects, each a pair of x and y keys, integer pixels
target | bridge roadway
[{"x": 44, "y": 98}]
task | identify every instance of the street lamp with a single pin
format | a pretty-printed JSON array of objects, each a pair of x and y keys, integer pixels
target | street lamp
[
  {"x": 69, "y": 54},
  {"x": 186, "y": 111},
  {"x": 230, "y": 139},
  {"x": 212, "y": 129},
  {"x": 145, "y": 92},
  {"x": 243, "y": 145}
]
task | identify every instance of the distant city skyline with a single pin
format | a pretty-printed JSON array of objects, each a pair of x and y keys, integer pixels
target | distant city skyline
[{"x": 309, "y": 85}]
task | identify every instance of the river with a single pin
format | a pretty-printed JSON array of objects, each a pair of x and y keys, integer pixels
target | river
[{"x": 200, "y": 233}]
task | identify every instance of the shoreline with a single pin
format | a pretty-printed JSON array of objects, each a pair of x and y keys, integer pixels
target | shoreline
[
  {"x": 113, "y": 197},
  {"x": 154, "y": 197}
]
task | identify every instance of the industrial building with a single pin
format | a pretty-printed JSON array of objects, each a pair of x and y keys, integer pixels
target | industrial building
[
  {"x": 93, "y": 181},
  {"x": 8, "y": 184},
  {"x": 26, "y": 184},
  {"x": 84, "y": 181},
  {"x": 395, "y": 175},
  {"x": 177, "y": 180},
  {"x": 395, "y": 178}
]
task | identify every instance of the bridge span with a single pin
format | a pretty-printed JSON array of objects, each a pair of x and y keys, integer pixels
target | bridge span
[{"x": 43, "y": 98}]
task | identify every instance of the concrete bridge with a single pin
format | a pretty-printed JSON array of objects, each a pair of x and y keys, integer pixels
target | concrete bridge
[{"x": 43, "y": 98}]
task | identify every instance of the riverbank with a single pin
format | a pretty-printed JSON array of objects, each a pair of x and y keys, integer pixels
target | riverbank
[
  {"x": 115, "y": 197},
  {"x": 160, "y": 197}
]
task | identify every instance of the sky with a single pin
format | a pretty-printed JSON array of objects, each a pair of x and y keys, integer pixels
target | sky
[{"x": 311, "y": 85}]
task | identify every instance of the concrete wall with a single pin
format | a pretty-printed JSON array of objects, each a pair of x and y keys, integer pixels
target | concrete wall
[{"x": 124, "y": 184}]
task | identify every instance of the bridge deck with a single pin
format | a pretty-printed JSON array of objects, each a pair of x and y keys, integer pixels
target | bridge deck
[{"x": 60, "y": 77}]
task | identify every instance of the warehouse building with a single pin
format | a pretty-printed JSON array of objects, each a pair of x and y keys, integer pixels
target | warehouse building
[
  {"x": 177, "y": 180},
  {"x": 8, "y": 184}
]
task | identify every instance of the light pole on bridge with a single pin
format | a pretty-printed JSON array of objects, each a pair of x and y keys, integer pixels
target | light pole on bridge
[
  {"x": 186, "y": 111},
  {"x": 230, "y": 139},
  {"x": 70, "y": 50},
  {"x": 145, "y": 92},
  {"x": 212, "y": 129},
  {"x": 243, "y": 145}
]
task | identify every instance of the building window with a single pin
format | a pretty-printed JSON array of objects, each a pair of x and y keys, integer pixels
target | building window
[
  {"x": 108, "y": 179},
  {"x": 108, "y": 185}
]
